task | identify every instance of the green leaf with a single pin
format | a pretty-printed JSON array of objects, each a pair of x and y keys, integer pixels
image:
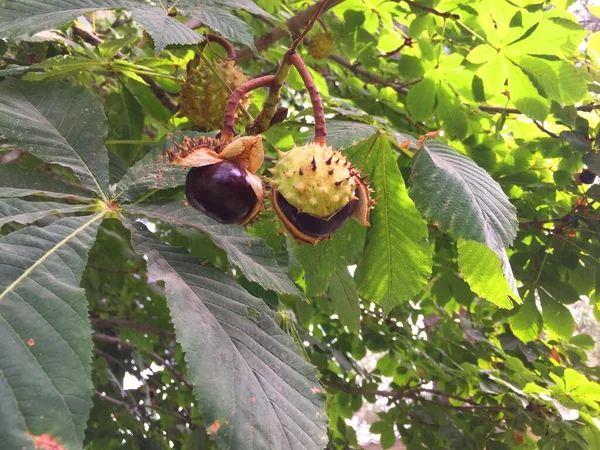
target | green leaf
[
  {"x": 250, "y": 380},
  {"x": 250, "y": 254},
  {"x": 225, "y": 23},
  {"x": 247, "y": 5},
  {"x": 554, "y": 36},
  {"x": 557, "y": 318},
  {"x": 19, "y": 19},
  {"x": 421, "y": 100},
  {"x": 321, "y": 261},
  {"x": 61, "y": 67},
  {"x": 126, "y": 122},
  {"x": 388, "y": 438},
  {"x": 151, "y": 172},
  {"x": 524, "y": 94},
  {"x": 451, "y": 112},
  {"x": 164, "y": 30},
  {"x": 46, "y": 355},
  {"x": 342, "y": 291},
  {"x": 24, "y": 212},
  {"x": 461, "y": 197},
  {"x": 144, "y": 95},
  {"x": 527, "y": 323},
  {"x": 18, "y": 182},
  {"x": 397, "y": 260},
  {"x": 344, "y": 133},
  {"x": 60, "y": 124},
  {"x": 559, "y": 80},
  {"x": 483, "y": 271}
]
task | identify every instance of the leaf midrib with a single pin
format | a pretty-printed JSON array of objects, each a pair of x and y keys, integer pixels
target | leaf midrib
[
  {"x": 100, "y": 190},
  {"x": 49, "y": 253}
]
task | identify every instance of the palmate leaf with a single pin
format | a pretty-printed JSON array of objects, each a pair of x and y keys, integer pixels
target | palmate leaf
[
  {"x": 20, "y": 19},
  {"x": 60, "y": 124},
  {"x": 24, "y": 212},
  {"x": 165, "y": 30},
  {"x": 397, "y": 259},
  {"x": 461, "y": 197},
  {"x": 46, "y": 351},
  {"x": 254, "y": 388},
  {"x": 18, "y": 182},
  {"x": 250, "y": 254}
]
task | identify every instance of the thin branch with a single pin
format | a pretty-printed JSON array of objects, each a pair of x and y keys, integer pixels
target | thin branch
[
  {"x": 263, "y": 121},
  {"x": 223, "y": 43},
  {"x": 122, "y": 323},
  {"x": 309, "y": 25},
  {"x": 415, "y": 393},
  {"x": 115, "y": 340},
  {"x": 447, "y": 15},
  {"x": 156, "y": 89},
  {"x": 277, "y": 33},
  {"x": 134, "y": 409},
  {"x": 315, "y": 98},
  {"x": 243, "y": 89}
]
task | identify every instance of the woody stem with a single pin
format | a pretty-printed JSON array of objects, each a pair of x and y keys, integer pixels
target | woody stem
[
  {"x": 234, "y": 99},
  {"x": 223, "y": 43},
  {"x": 315, "y": 98}
]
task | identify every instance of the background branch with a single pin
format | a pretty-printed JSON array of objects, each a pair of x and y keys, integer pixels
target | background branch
[
  {"x": 156, "y": 89},
  {"x": 277, "y": 33}
]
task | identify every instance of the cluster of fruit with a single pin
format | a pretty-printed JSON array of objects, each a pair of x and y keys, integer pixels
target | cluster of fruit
[{"x": 313, "y": 189}]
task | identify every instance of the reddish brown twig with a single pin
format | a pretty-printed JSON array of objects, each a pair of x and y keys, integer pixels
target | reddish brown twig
[
  {"x": 315, "y": 98},
  {"x": 264, "y": 120},
  {"x": 223, "y": 43},
  {"x": 309, "y": 26},
  {"x": 277, "y": 33},
  {"x": 234, "y": 99}
]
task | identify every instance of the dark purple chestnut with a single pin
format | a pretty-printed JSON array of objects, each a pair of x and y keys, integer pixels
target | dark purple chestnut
[
  {"x": 587, "y": 176},
  {"x": 221, "y": 191},
  {"x": 314, "y": 226}
]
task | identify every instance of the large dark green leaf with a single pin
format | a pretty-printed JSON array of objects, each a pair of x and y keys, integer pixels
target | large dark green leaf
[
  {"x": 151, "y": 172},
  {"x": 165, "y": 30},
  {"x": 397, "y": 260},
  {"x": 60, "y": 124},
  {"x": 18, "y": 182},
  {"x": 321, "y": 261},
  {"x": 247, "y": 5},
  {"x": 250, "y": 254},
  {"x": 342, "y": 290},
  {"x": 253, "y": 386},
  {"x": 20, "y": 18},
  {"x": 24, "y": 212},
  {"x": 461, "y": 197},
  {"x": 225, "y": 23},
  {"x": 46, "y": 351}
]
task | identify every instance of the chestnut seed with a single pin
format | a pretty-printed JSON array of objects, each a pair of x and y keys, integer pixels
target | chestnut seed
[
  {"x": 587, "y": 176},
  {"x": 220, "y": 191},
  {"x": 314, "y": 226}
]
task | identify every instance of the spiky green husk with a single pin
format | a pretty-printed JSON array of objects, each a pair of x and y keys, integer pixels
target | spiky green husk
[
  {"x": 203, "y": 96},
  {"x": 321, "y": 46},
  {"x": 315, "y": 179}
]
